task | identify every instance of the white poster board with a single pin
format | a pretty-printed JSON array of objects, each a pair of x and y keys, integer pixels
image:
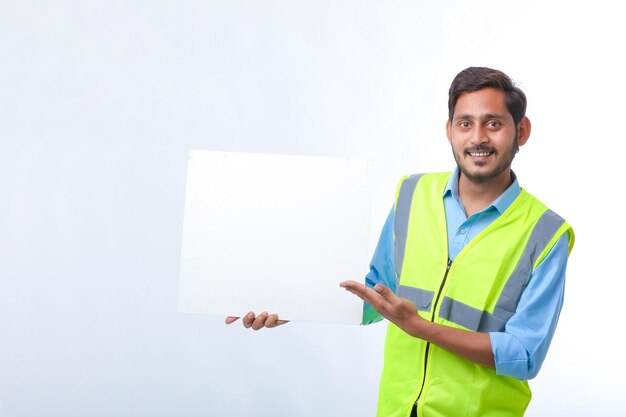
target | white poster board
[{"x": 274, "y": 233}]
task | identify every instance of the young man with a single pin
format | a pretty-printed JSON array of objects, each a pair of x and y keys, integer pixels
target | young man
[
  {"x": 469, "y": 269},
  {"x": 480, "y": 268}
]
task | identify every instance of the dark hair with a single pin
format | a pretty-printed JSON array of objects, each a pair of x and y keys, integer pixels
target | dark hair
[{"x": 476, "y": 78}]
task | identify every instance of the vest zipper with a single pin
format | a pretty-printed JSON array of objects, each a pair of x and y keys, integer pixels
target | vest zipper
[{"x": 432, "y": 319}]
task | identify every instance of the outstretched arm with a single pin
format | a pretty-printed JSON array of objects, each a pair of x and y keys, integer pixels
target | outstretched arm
[{"x": 473, "y": 346}]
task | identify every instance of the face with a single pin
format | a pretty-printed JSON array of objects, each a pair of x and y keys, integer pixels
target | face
[{"x": 484, "y": 137}]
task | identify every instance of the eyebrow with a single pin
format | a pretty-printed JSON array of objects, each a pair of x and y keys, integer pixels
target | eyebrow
[{"x": 481, "y": 117}]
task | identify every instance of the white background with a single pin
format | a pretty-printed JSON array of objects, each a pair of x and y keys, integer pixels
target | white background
[{"x": 101, "y": 101}]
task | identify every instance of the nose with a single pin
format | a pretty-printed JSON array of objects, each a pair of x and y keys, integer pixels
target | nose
[{"x": 479, "y": 134}]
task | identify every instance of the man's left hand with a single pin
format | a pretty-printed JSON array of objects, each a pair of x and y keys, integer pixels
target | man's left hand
[{"x": 398, "y": 310}]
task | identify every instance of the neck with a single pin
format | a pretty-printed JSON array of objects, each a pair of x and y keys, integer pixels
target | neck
[{"x": 477, "y": 196}]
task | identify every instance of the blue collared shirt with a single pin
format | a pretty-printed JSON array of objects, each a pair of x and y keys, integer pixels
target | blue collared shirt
[{"x": 520, "y": 350}]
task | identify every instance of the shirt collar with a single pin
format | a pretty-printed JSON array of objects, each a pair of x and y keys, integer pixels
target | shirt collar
[{"x": 501, "y": 203}]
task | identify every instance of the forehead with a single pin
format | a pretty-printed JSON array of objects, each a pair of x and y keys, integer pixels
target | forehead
[{"x": 481, "y": 102}]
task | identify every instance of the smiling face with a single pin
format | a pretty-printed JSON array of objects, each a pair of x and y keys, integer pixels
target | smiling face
[{"x": 484, "y": 137}]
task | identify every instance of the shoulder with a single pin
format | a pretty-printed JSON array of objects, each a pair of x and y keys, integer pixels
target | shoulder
[
  {"x": 549, "y": 222},
  {"x": 427, "y": 177}
]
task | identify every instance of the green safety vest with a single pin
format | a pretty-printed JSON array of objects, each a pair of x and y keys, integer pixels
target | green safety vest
[{"x": 479, "y": 291}]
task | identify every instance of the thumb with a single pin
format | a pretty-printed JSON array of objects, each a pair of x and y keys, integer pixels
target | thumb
[{"x": 382, "y": 290}]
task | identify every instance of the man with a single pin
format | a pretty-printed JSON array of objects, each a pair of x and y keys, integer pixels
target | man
[{"x": 469, "y": 269}]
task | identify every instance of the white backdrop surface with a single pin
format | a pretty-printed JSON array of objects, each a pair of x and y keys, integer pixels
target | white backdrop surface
[{"x": 100, "y": 103}]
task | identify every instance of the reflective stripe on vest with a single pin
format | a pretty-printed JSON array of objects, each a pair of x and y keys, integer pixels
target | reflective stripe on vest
[{"x": 401, "y": 219}]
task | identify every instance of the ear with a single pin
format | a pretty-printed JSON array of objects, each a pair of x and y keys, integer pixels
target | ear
[
  {"x": 449, "y": 131},
  {"x": 523, "y": 130}
]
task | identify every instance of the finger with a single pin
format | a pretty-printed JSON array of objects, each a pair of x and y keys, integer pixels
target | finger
[
  {"x": 358, "y": 292},
  {"x": 350, "y": 284},
  {"x": 354, "y": 287},
  {"x": 259, "y": 321},
  {"x": 231, "y": 319},
  {"x": 363, "y": 292},
  {"x": 272, "y": 321},
  {"x": 389, "y": 296},
  {"x": 381, "y": 298},
  {"x": 384, "y": 291},
  {"x": 248, "y": 319}
]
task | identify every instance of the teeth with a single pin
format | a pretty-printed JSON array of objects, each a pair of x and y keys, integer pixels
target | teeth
[{"x": 480, "y": 153}]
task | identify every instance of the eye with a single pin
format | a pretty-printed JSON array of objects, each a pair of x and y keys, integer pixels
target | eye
[
  {"x": 464, "y": 124},
  {"x": 493, "y": 124}
]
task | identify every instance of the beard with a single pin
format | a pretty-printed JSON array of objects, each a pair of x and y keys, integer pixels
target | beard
[{"x": 504, "y": 162}]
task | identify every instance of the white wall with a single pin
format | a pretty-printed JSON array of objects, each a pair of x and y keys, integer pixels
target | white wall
[{"x": 101, "y": 101}]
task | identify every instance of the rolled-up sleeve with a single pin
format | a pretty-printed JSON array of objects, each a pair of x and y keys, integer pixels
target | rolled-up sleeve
[
  {"x": 520, "y": 350},
  {"x": 382, "y": 270}
]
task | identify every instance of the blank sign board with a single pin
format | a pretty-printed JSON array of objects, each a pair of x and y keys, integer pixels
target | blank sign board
[{"x": 274, "y": 233}]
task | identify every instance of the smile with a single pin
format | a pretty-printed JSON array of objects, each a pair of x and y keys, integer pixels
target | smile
[{"x": 480, "y": 154}]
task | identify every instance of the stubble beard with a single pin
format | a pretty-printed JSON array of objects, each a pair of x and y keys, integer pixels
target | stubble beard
[{"x": 484, "y": 177}]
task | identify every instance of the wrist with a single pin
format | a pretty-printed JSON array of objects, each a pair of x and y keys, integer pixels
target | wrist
[{"x": 417, "y": 326}]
